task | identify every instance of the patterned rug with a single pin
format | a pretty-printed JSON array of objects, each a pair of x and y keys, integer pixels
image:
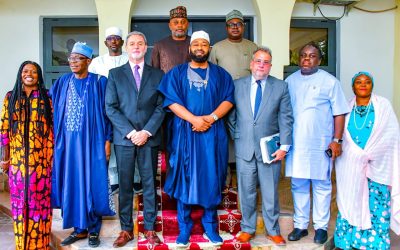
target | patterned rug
[{"x": 167, "y": 225}]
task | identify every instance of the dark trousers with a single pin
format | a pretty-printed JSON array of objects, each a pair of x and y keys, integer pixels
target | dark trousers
[{"x": 146, "y": 158}]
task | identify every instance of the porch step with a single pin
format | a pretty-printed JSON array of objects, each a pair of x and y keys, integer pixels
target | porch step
[{"x": 111, "y": 228}]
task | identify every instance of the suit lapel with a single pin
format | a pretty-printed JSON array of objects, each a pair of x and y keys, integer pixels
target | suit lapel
[
  {"x": 268, "y": 89},
  {"x": 129, "y": 74},
  {"x": 145, "y": 77},
  {"x": 247, "y": 96}
]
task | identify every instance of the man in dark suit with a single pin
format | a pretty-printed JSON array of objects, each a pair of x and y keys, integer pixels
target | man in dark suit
[
  {"x": 262, "y": 109},
  {"x": 134, "y": 107}
]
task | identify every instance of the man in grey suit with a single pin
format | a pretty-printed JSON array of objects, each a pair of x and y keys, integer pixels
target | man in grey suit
[
  {"x": 262, "y": 109},
  {"x": 134, "y": 107}
]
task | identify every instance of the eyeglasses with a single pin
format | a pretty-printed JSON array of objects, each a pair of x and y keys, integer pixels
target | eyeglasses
[
  {"x": 259, "y": 61},
  {"x": 110, "y": 38},
  {"x": 76, "y": 59},
  {"x": 235, "y": 25}
]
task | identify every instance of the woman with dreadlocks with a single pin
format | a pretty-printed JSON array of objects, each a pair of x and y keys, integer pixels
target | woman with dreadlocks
[{"x": 26, "y": 145}]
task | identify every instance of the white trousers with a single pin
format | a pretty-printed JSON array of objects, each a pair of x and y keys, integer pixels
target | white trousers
[{"x": 321, "y": 193}]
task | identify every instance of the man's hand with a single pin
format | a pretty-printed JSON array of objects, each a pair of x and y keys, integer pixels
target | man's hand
[
  {"x": 140, "y": 138},
  {"x": 209, "y": 119},
  {"x": 279, "y": 154},
  {"x": 108, "y": 150},
  {"x": 336, "y": 149},
  {"x": 5, "y": 165},
  {"x": 200, "y": 124}
]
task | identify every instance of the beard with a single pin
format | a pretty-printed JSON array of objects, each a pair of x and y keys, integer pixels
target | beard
[
  {"x": 138, "y": 56},
  {"x": 199, "y": 59},
  {"x": 179, "y": 34},
  {"x": 115, "y": 49}
]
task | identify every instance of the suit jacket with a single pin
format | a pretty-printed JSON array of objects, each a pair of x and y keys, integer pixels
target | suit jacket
[
  {"x": 129, "y": 109},
  {"x": 274, "y": 116}
]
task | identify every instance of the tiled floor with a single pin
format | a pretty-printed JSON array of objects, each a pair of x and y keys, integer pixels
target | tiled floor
[{"x": 6, "y": 232}]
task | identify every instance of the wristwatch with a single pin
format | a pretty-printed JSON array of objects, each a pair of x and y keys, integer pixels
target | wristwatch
[
  {"x": 214, "y": 116},
  {"x": 339, "y": 141}
]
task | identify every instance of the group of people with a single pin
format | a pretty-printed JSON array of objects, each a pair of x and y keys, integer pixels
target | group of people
[{"x": 101, "y": 125}]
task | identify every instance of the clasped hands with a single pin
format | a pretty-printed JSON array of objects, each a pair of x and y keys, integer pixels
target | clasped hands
[
  {"x": 139, "y": 138},
  {"x": 201, "y": 123}
]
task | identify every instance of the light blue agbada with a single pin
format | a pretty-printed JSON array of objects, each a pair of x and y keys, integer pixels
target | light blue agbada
[
  {"x": 198, "y": 160},
  {"x": 315, "y": 100}
]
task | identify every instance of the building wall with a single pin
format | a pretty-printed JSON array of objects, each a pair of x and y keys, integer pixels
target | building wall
[
  {"x": 365, "y": 41},
  {"x": 21, "y": 32}
]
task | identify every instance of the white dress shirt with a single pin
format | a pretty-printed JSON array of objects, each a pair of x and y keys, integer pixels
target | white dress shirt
[{"x": 141, "y": 66}]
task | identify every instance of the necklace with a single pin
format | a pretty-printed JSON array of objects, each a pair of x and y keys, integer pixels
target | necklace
[
  {"x": 361, "y": 112},
  {"x": 196, "y": 80}
]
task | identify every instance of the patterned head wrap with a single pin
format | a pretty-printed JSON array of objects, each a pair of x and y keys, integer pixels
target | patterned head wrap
[
  {"x": 178, "y": 12},
  {"x": 360, "y": 74}
]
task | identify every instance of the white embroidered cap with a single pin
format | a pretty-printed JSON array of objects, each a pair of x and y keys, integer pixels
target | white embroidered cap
[
  {"x": 200, "y": 34},
  {"x": 113, "y": 31}
]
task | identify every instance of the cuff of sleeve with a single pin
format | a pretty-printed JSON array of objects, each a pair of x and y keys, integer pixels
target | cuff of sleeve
[
  {"x": 131, "y": 134},
  {"x": 285, "y": 148},
  {"x": 147, "y": 132}
]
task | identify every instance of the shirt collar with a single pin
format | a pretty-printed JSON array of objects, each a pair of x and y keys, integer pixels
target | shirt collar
[
  {"x": 141, "y": 65},
  {"x": 253, "y": 81}
]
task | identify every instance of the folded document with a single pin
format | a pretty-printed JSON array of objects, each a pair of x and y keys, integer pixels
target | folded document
[{"x": 269, "y": 145}]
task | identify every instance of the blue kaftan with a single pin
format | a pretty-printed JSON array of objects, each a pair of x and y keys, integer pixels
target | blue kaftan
[
  {"x": 198, "y": 160},
  {"x": 80, "y": 181}
]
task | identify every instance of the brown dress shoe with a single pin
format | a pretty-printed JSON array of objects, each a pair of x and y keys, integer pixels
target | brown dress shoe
[
  {"x": 244, "y": 237},
  {"x": 123, "y": 238},
  {"x": 152, "y": 237},
  {"x": 277, "y": 239}
]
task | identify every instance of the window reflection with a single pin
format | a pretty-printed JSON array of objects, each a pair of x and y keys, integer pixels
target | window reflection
[{"x": 64, "y": 38}]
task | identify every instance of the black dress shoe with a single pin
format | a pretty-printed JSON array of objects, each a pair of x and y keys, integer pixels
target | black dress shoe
[
  {"x": 73, "y": 237},
  {"x": 321, "y": 236},
  {"x": 94, "y": 240},
  {"x": 297, "y": 234}
]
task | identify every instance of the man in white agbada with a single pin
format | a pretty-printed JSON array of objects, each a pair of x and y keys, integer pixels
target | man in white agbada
[
  {"x": 115, "y": 56},
  {"x": 101, "y": 65},
  {"x": 319, "y": 106}
]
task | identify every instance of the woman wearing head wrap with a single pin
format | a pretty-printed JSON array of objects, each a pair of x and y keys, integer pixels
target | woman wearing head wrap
[
  {"x": 368, "y": 172},
  {"x": 27, "y": 140}
]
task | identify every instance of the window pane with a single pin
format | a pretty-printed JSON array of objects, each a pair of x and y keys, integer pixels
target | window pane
[
  {"x": 64, "y": 39},
  {"x": 302, "y": 36}
]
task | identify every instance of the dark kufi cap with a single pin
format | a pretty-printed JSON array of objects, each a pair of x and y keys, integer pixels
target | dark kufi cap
[{"x": 178, "y": 12}]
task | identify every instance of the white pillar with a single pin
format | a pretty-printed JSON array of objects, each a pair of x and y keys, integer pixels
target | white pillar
[
  {"x": 113, "y": 13},
  {"x": 273, "y": 27},
  {"x": 396, "y": 63}
]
